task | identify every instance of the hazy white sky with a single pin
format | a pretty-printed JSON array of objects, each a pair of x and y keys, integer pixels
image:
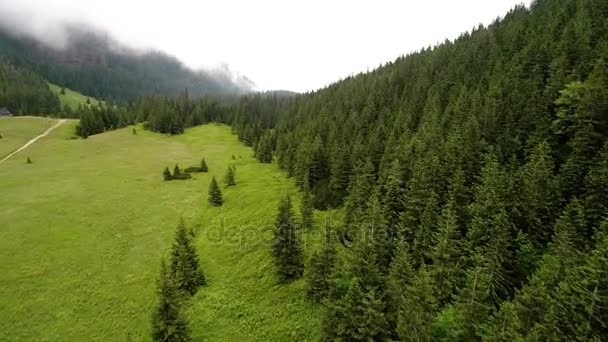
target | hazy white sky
[{"x": 279, "y": 44}]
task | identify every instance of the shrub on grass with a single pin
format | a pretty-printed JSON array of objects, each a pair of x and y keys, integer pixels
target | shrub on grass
[
  {"x": 178, "y": 174},
  {"x": 167, "y": 174},
  {"x": 29, "y": 161}
]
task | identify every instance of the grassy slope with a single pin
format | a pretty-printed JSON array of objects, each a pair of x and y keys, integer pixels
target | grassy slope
[
  {"x": 16, "y": 131},
  {"x": 72, "y": 98},
  {"x": 85, "y": 226}
]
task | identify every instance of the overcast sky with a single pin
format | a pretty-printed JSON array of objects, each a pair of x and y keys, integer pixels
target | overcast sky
[{"x": 280, "y": 44}]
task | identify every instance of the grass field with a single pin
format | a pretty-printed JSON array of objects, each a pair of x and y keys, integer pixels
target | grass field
[
  {"x": 85, "y": 226},
  {"x": 72, "y": 98},
  {"x": 16, "y": 131}
]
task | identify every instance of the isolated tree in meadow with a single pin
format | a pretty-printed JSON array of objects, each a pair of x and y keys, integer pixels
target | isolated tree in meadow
[
  {"x": 29, "y": 161},
  {"x": 167, "y": 174},
  {"x": 306, "y": 206},
  {"x": 134, "y": 131},
  {"x": 168, "y": 323},
  {"x": 88, "y": 101},
  {"x": 62, "y": 92},
  {"x": 286, "y": 245},
  {"x": 204, "y": 167},
  {"x": 215, "y": 194},
  {"x": 230, "y": 178},
  {"x": 185, "y": 267}
]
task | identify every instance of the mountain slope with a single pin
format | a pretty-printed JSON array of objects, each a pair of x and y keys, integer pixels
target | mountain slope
[{"x": 94, "y": 64}]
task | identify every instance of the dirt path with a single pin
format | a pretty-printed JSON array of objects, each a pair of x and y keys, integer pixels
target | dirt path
[{"x": 34, "y": 140}]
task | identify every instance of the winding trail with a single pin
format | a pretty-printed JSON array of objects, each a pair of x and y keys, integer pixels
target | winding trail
[{"x": 49, "y": 130}]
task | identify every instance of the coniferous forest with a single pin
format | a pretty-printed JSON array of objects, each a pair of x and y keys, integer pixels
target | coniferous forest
[{"x": 472, "y": 177}]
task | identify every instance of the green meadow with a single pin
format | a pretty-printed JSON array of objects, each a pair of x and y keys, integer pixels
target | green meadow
[
  {"x": 18, "y": 130},
  {"x": 71, "y": 98},
  {"x": 84, "y": 228}
]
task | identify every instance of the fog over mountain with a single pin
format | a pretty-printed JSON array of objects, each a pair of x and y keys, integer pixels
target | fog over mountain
[
  {"x": 297, "y": 46},
  {"x": 90, "y": 60}
]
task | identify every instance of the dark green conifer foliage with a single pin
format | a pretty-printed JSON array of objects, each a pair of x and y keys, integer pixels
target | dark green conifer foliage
[
  {"x": 400, "y": 276},
  {"x": 447, "y": 256},
  {"x": 286, "y": 248},
  {"x": 167, "y": 174},
  {"x": 168, "y": 323},
  {"x": 28, "y": 161},
  {"x": 204, "y": 167},
  {"x": 306, "y": 206},
  {"x": 185, "y": 267},
  {"x": 358, "y": 316},
  {"x": 418, "y": 309},
  {"x": 320, "y": 268},
  {"x": 230, "y": 178},
  {"x": 176, "y": 171},
  {"x": 215, "y": 194}
]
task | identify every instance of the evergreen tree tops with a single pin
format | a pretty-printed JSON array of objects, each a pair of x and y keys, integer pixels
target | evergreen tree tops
[{"x": 215, "y": 194}]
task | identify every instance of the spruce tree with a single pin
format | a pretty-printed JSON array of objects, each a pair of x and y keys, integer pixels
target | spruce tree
[
  {"x": 168, "y": 323},
  {"x": 446, "y": 255},
  {"x": 167, "y": 174},
  {"x": 306, "y": 206},
  {"x": 28, "y": 161},
  {"x": 185, "y": 267},
  {"x": 215, "y": 194},
  {"x": 400, "y": 276},
  {"x": 418, "y": 309},
  {"x": 230, "y": 178},
  {"x": 359, "y": 316},
  {"x": 286, "y": 245},
  {"x": 320, "y": 269},
  {"x": 204, "y": 167}
]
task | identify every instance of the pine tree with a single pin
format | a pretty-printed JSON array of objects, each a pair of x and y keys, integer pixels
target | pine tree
[
  {"x": 177, "y": 172},
  {"x": 168, "y": 323},
  {"x": 230, "y": 179},
  {"x": 306, "y": 206},
  {"x": 185, "y": 267},
  {"x": 286, "y": 245},
  {"x": 204, "y": 167},
  {"x": 215, "y": 194},
  {"x": 320, "y": 269},
  {"x": 167, "y": 174},
  {"x": 28, "y": 161}
]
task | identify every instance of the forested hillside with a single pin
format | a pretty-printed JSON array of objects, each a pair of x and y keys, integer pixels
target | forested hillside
[
  {"x": 473, "y": 176},
  {"x": 94, "y": 64},
  {"x": 23, "y": 91},
  {"x": 474, "y": 180}
]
